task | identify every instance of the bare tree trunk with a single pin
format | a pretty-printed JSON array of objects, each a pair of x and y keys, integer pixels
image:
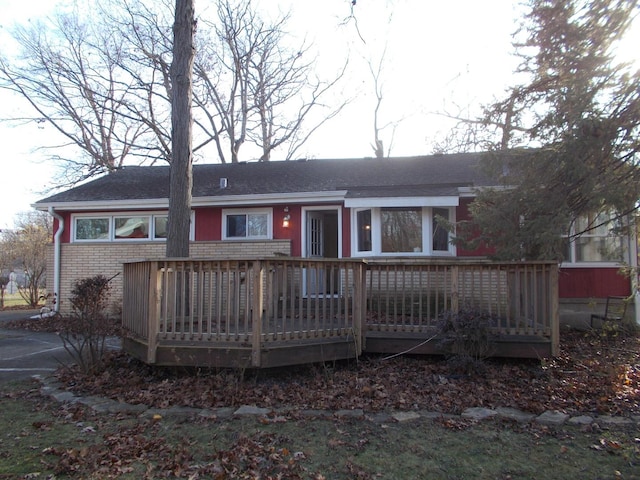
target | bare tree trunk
[{"x": 181, "y": 125}]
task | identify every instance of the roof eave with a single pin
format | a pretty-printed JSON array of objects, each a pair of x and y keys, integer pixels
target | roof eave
[{"x": 225, "y": 200}]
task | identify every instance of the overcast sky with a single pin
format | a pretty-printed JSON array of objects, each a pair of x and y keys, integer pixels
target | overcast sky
[{"x": 440, "y": 56}]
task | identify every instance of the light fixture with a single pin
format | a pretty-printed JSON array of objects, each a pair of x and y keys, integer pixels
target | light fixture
[{"x": 286, "y": 219}]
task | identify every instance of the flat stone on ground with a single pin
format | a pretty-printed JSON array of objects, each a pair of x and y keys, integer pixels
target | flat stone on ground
[
  {"x": 479, "y": 413},
  {"x": 251, "y": 410},
  {"x": 581, "y": 420},
  {"x": 552, "y": 418},
  {"x": 609, "y": 421},
  {"x": 356, "y": 413},
  {"x": 405, "y": 416},
  {"x": 515, "y": 414}
]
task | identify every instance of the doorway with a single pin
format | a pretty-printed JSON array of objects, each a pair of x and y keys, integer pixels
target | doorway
[{"x": 322, "y": 240}]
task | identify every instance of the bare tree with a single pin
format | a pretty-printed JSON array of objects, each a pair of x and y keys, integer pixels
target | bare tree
[
  {"x": 26, "y": 246},
  {"x": 68, "y": 72},
  {"x": 184, "y": 29},
  {"x": 376, "y": 72},
  {"x": 265, "y": 91},
  {"x": 104, "y": 83}
]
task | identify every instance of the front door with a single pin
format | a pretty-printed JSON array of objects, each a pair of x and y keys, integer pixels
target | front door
[{"x": 321, "y": 242}]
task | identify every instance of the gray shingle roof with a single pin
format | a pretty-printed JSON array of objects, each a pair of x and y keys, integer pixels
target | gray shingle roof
[{"x": 367, "y": 177}]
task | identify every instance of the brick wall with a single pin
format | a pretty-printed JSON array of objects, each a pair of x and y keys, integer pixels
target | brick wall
[{"x": 81, "y": 260}]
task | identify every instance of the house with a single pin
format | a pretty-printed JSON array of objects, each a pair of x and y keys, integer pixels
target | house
[{"x": 375, "y": 209}]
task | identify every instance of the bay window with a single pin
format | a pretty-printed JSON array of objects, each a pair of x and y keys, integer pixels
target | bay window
[{"x": 402, "y": 231}]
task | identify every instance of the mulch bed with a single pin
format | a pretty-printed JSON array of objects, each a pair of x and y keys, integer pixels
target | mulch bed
[{"x": 591, "y": 375}]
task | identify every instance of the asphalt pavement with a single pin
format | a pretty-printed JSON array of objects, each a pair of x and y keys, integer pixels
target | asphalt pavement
[{"x": 24, "y": 353}]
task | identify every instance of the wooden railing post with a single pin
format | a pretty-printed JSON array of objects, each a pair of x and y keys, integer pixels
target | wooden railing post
[
  {"x": 153, "y": 319},
  {"x": 554, "y": 306},
  {"x": 358, "y": 305},
  {"x": 257, "y": 315},
  {"x": 455, "y": 306}
]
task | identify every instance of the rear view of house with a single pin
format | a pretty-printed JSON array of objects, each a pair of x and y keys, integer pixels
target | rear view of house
[{"x": 377, "y": 210}]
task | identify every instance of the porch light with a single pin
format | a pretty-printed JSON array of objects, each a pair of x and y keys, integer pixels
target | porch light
[{"x": 286, "y": 219}]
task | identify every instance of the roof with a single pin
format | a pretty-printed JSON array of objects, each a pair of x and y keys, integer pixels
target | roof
[{"x": 432, "y": 175}]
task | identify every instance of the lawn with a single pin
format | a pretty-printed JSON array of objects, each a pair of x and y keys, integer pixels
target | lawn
[
  {"x": 43, "y": 439},
  {"x": 14, "y": 301},
  {"x": 592, "y": 375}
]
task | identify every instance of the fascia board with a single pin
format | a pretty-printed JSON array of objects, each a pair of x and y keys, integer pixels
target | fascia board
[
  {"x": 437, "y": 201},
  {"x": 146, "y": 204},
  {"x": 218, "y": 200},
  {"x": 271, "y": 198}
]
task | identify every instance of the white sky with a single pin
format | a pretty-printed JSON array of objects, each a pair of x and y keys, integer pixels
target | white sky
[{"x": 439, "y": 55}]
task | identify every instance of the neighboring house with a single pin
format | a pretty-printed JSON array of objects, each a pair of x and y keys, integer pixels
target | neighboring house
[{"x": 338, "y": 208}]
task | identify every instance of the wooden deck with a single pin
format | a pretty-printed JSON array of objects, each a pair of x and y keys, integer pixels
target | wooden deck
[{"x": 257, "y": 313}]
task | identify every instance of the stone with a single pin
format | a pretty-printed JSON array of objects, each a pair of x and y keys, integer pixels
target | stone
[
  {"x": 315, "y": 413},
  {"x": 515, "y": 414},
  {"x": 183, "y": 411},
  {"x": 405, "y": 416},
  {"x": 609, "y": 421},
  {"x": 479, "y": 413},
  {"x": 552, "y": 418},
  {"x": 251, "y": 410},
  {"x": 356, "y": 413},
  {"x": 224, "y": 412},
  {"x": 379, "y": 418},
  {"x": 64, "y": 396},
  {"x": 581, "y": 420},
  {"x": 436, "y": 415}
]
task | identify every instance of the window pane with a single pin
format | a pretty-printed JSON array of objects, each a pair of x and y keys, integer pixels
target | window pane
[
  {"x": 364, "y": 231},
  {"x": 401, "y": 229},
  {"x": 132, "y": 227},
  {"x": 440, "y": 241},
  {"x": 600, "y": 242},
  {"x": 160, "y": 227},
  {"x": 599, "y": 225},
  {"x": 92, "y": 228},
  {"x": 257, "y": 224},
  {"x": 599, "y": 249},
  {"x": 236, "y": 225}
]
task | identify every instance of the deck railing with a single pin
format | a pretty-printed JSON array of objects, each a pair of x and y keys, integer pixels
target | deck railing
[
  {"x": 520, "y": 298},
  {"x": 260, "y": 303},
  {"x": 250, "y": 303}
]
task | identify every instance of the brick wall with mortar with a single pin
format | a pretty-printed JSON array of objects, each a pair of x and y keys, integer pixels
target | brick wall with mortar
[{"x": 81, "y": 260}]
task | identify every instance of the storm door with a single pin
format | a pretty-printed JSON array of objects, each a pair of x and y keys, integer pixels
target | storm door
[{"x": 322, "y": 243}]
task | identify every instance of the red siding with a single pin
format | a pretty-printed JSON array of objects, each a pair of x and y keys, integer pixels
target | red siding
[
  {"x": 592, "y": 282},
  {"x": 292, "y": 232},
  {"x": 463, "y": 214},
  {"x": 208, "y": 224}
]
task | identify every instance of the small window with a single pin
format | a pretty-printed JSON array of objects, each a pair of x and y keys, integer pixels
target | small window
[
  {"x": 92, "y": 228},
  {"x": 364, "y": 230},
  {"x": 160, "y": 227},
  {"x": 247, "y": 225},
  {"x": 131, "y": 227},
  {"x": 440, "y": 235}
]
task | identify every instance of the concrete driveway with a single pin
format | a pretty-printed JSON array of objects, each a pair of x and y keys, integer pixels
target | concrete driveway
[{"x": 24, "y": 353}]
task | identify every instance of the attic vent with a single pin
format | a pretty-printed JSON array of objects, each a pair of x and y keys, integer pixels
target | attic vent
[{"x": 223, "y": 182}]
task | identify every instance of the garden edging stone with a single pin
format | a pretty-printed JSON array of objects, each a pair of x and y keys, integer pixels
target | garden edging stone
[{"x": 54, "y": 390}]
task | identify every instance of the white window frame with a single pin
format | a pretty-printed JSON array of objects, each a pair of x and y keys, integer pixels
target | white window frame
[
  {"x": 573, "y": 263},
  {"x": 74, "y": 229},
  {"x": 111, "y": 216},
  {"x": 149, "y": 219},
  {"x": 376, "y": 234},
  {"x": 247, "y": 211}
]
